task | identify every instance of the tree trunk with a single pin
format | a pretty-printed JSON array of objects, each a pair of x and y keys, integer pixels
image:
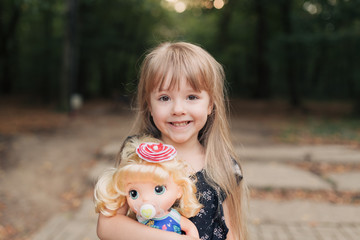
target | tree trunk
[
  {"x": 294, "y": 97},
  {"x": 69, "y": 70},
  {"x": 226, "y": 15},
  {"x": 262, "y": 87},
  {"x": 46, "y": 90},
  {"x": 7, "y": 42}
]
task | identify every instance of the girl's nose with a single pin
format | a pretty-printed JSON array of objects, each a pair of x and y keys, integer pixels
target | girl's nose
[{"x": 178, "y": 108}]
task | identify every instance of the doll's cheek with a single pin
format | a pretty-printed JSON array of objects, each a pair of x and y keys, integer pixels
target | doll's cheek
[{"x": 131, "y": 205}]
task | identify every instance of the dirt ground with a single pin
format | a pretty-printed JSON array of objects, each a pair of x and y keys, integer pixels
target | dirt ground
[{"x": 45, "y": 155}]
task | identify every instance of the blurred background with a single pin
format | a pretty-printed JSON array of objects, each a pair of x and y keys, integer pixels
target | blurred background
[
  {"x": 69, "y": 68},
  {"x": 294, "y": 50}
]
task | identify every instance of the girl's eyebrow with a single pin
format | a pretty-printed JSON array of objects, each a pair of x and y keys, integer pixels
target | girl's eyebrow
[
  {"x": 165, "y": 91},
  {"x": 192, "y": 90},
  {"x": 160, "y": 92}
]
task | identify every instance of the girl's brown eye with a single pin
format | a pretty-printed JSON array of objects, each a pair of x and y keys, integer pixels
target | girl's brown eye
[
  {"x": 159, "y": 190},
  {"x": 164, "y": 98},
  {"x": 192, "y": 97}
]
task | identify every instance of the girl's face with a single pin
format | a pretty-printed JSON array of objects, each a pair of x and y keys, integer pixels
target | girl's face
[
  {"x": 162, "y": 197},
  {"x": 179, "y": 113}
]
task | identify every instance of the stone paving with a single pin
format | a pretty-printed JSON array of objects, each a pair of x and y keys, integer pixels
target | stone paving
[
  {"x": 293, "y": 153},
  {"x": 278, "y": 175},
  {"x": 80, "y": 225},
  {"x": 300, "y": 231},
  {"x": 269, "y": 219}
]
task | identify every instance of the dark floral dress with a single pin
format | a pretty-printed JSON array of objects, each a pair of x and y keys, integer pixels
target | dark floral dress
[{"x": 210, "y": 221}]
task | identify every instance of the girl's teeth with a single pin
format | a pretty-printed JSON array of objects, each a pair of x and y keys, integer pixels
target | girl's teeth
[{"x": 180, "y": 124}]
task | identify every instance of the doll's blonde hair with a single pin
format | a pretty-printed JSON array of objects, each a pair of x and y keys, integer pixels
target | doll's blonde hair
[
  {"x": 181, "y": 61},
  {"x": 110, "y": 192}
]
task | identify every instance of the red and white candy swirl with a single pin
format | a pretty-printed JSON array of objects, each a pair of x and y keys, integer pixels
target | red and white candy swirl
[{"x": 155, "y": 152}]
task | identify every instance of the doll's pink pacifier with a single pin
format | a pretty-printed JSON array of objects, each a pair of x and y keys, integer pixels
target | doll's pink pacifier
[{"x": 156, "y": 152}]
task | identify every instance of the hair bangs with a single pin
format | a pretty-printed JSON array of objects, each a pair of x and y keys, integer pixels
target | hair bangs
[{"x": 170, "y": 68}]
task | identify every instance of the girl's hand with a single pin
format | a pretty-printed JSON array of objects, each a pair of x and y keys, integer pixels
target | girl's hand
[
  {"x": 190, "y": 238},
  {"x": 189, "y": 228},
  {"x": 122, "y": 227}
]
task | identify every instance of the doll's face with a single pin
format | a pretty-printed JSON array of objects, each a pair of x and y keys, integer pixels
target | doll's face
[{"x": 160, "y": 196}]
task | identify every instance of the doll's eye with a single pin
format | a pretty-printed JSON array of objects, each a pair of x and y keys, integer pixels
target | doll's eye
[
  {"x": 159, "y": 190},
  {"x": 133, "y": 194}
]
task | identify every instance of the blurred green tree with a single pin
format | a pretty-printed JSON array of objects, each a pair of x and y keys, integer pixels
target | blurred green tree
[
  {"x": 294, "y": 49},
  {"x": 10, "y": 12}
]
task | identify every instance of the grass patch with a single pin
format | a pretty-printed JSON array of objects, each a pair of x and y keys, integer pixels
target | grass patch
[{"x": 321, "y": 130}]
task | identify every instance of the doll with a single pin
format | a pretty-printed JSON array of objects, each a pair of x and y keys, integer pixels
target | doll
[{"x": 153, "y": 183}]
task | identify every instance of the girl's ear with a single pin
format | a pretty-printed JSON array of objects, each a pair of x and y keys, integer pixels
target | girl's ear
[
  {"x": 149, "y": 109},
  {"x": 210, "y": 108}
]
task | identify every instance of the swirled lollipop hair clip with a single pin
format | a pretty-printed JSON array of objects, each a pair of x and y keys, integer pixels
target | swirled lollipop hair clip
[{"x": 156, "y": 152}]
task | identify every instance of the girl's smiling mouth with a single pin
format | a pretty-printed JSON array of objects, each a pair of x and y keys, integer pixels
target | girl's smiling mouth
[{"x": 180, "y": 124}]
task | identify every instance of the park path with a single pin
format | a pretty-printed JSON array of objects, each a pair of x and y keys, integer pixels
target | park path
[
  {"x": 46, "y": 185},
  {"x": 267, "y": 167}
]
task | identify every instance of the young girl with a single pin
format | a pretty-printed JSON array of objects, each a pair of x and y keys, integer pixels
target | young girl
[
  {"x": 154, "y": 184},
  {"x": 182, "y": 101}
]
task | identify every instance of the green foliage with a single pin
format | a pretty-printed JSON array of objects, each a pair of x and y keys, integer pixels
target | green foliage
[
  {"x": 111, "y": 36},
  {"x": 305, "y": 48},
  {"x": 40, "y": 48},
  {"x": 325, "y": 66}
]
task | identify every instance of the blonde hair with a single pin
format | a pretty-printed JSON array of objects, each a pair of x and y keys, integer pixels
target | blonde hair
[
  {"x": 178, "y": 61},
  {"x": 110, "y": 192}
]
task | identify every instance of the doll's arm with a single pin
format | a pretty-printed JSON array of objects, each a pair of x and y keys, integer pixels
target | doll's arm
[{"x": 189, "y": 227}]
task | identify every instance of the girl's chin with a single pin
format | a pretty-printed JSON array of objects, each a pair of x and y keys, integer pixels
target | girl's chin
[{"x": 178, "y": 139}]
